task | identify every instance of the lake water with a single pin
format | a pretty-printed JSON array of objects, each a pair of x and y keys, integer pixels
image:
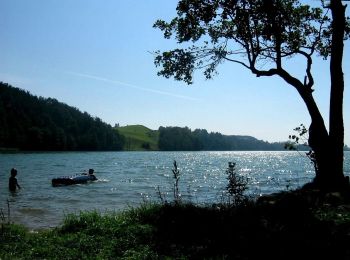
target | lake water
[{"x": 126, "y": 179}]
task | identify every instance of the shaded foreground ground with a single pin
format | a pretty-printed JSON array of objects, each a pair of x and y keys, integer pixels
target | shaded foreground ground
[{"x": 287, "y": 226}]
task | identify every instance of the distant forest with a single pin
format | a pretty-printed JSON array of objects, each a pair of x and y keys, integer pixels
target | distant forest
[
  {"x": 35, "y": 123},
  {"x": 31, "y": 123},
  {"x": 183, "y": 139}
]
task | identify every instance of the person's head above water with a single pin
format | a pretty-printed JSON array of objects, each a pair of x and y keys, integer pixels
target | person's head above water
[
  {"x": 13, "y": 172},
  {"x": 91, "y": 171}
]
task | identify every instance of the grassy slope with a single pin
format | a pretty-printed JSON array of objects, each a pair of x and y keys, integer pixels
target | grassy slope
[{"x": 137, "y": 135}]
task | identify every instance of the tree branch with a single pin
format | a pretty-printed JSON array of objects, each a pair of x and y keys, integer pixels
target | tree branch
[{"x": 237, "y": 61}]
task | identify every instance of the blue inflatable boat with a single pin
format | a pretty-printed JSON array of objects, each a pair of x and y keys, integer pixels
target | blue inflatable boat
[{"x": 70, "y": 180}]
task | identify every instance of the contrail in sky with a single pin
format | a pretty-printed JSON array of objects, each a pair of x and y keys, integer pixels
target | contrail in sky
[{"x": 116, "y": 82}]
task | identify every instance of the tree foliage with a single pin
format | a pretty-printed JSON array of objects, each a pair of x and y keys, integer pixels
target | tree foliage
[
  {"x": 258, "y": 35},
  {"x": 177, "y": 139},
  {"x": 28, "y": 122},
  {"x": 184, "y": 139}
]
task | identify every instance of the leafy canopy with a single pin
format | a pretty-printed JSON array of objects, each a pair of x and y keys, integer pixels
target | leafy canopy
[{"x": 257, "y": 34}]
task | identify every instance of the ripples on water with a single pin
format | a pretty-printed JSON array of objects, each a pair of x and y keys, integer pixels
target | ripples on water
[{"x": 128, "y": 178}]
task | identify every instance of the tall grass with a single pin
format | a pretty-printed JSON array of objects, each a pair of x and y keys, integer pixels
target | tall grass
[
  {"x": 286, "y": 230},
  {"x": 84, "y": 236}
]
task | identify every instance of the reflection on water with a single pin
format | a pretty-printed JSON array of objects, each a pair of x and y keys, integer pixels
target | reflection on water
[
  {"x": 128, "y": 178},
  {"x": 32, "y": 211}
]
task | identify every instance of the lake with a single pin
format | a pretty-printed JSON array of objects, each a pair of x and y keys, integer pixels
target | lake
[{"x": 127, "y": 179}]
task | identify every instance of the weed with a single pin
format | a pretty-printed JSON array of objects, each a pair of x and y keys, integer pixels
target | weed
[
  {"x": 176, "y": 191},
  {"x": 161, "y": 195},
  {"x": 176, "y": 174},
  {"x": 2, "y": 216},
  {"x": 236, "y": 186}
]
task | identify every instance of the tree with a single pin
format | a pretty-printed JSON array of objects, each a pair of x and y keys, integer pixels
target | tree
[
  {"x": 336, "y": 125},
  {"x": 261, "y": 36},
  {"x": 28, "y": 122}
]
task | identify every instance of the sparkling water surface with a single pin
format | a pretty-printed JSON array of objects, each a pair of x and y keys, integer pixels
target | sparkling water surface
[{"x": 127, "y": 179}]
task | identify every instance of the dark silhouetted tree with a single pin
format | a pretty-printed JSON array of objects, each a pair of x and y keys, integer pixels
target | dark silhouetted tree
[
  {"x": 28, "y": 122},
  {"x": 260, "y": 36},
  {"x": 177, "y": 139},
  {"x": 183, "y": 139}
]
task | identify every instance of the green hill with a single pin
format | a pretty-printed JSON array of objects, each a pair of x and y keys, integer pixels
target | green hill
[{"x": 139, "y": 138}]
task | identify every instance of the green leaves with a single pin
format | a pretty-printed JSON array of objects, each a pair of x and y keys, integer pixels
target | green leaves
[
  {"x": 300, "y": 138},
  {"x": 251, "y": 33},
  {"x": 178, "y": 63},
  {"x": 167, "y": 28}
]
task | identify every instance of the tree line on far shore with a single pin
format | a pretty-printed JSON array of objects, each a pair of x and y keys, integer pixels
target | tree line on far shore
[
  {"x": 184, "y": 139},
  {"x": 35, "y": 123},
  {"x": 31, "y": 123}
]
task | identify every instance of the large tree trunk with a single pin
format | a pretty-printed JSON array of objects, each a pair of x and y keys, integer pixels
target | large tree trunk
[
  {"x": 327, "y": 179},
  {"x": 319, "y": 143},
  {"x": 328, "y": 148},
  {"x": 336, "y": 125}
]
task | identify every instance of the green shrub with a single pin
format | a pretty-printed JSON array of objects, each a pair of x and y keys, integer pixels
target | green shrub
[{"x": 236, "y": 186}]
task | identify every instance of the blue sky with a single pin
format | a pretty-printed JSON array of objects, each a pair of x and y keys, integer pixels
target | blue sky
[{"x": 96, "y": 56}]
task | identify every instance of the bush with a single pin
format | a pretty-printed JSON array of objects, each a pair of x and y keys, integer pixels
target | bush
[{"x": 236, "y": 186}]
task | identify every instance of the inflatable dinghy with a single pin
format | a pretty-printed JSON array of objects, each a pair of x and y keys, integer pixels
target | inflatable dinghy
[{"x": 70, "y": 180}]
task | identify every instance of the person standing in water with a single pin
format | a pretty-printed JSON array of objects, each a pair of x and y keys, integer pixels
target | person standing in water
[{"x": 13, "y": 183}]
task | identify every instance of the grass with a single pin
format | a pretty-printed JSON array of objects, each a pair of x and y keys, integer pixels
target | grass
[
  {"x": 139, "y": 138},
  {"x": 286, "y": 229},
  {"x": 89, "y": 235}
]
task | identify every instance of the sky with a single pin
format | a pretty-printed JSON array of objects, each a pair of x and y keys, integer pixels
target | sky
[{"x": 97, "y": 56}]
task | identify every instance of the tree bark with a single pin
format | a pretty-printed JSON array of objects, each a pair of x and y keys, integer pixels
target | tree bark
[
  {"x": 328, "y": 147},
  {"x": 319, "y": 142},
  {"x": 336, "y": 125}
]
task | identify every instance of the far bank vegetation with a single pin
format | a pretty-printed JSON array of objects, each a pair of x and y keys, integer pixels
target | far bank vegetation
[{"x": 31, "y": 123}]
